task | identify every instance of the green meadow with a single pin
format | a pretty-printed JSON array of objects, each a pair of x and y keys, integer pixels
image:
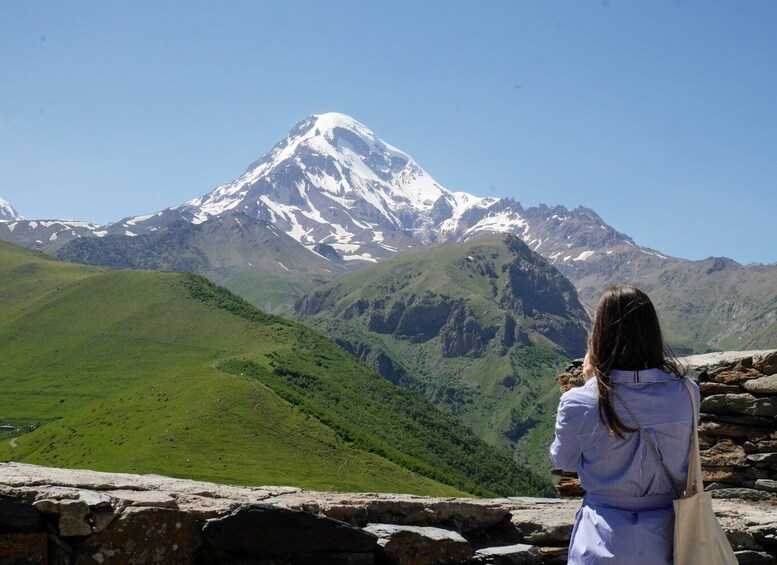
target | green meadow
[{"x": 156, "y": 372}]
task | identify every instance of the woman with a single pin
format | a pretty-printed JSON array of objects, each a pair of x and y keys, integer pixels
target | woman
[{"x": 627, "y": 514}]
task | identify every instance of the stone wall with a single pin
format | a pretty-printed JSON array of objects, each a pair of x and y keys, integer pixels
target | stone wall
[
  {"x": 738, "y": 428},
  {"x": 57, "y": 516}
]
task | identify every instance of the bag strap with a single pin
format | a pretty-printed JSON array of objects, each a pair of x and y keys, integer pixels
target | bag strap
[
  {"x": 695, "y": 482},
  {"x": 652, "y": 445}
]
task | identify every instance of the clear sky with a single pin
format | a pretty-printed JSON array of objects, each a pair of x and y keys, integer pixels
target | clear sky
[{"x": 659, "y": 115}]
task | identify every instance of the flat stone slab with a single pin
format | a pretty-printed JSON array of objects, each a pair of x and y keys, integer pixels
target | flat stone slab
[
  {"x": 709, "y": 359},
  {"x": 142, "y": 498},
  {"x": 509, "y": 554}
]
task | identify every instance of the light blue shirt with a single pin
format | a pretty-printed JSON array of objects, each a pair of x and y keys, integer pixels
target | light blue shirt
[{"x": 627, "y": 515}]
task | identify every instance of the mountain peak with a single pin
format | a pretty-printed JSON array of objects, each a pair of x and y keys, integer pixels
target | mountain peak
[
  {"x": 331, "y": 120},
  {"x": 7, "y": 212}
]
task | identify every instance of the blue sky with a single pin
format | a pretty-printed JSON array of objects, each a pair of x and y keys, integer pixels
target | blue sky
[{"x": 660, "y": 116}]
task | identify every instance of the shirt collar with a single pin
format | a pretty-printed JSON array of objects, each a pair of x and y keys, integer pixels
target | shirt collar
[{"x": 645, "y": 376}]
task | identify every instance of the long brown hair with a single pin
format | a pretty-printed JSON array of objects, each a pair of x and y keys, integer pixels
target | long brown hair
[{"x": 626, "y": 335}]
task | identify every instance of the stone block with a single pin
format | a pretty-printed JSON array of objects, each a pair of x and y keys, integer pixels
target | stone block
[
  {"x": 143, "y": 535},
  {"x": 766, "y": 484},
  {"x": 722, "y": 474},
  {"x": 554, "y": 555},
  {"x": 763, "y": 385},
  {"x": 419, "y": 545},
  {"x": 766, "y": 363},
  {"x": 762, "y": 457},
  {"x": 735, "y": 375},
  {"x": 760, "y": 421},
  {"x": 72, "y": 516},
  {"x": 543, "y": 527},
  {"x": 747, "y": 494},
  {"x": 717, "y": 429},
  {"x": 718, "y": 388},
  {"x": 725, "y": 453},
  {"x": 267, "y": 531},
  {"x": 509, "y": 555},
  {"x": 744, "y": 403},
  {"x": 752, "y": 556}
]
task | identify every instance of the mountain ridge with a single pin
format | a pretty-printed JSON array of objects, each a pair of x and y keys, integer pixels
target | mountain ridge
[{"x": 332, "y": 182}]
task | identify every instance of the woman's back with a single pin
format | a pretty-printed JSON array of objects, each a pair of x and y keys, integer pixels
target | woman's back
[
  {"x": 627, "y": 514},
  {"x": 627, "y": 467}
]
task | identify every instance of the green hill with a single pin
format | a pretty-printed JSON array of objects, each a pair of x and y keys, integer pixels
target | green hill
[
  {"x": 479, "y": 328},
  {"x": 167, "y": 373}
]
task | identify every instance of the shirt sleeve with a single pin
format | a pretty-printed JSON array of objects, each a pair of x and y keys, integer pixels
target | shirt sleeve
[{"x": 565, "y": 449}]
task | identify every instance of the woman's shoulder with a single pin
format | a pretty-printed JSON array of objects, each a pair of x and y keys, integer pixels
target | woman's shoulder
[{"x": 581, "y": 398}]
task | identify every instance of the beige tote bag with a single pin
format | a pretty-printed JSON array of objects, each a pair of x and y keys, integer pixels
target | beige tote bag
[{"x": 698, "y": 537}]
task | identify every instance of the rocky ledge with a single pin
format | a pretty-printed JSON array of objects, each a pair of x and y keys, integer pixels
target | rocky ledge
[{"x": 60, "y": 516}]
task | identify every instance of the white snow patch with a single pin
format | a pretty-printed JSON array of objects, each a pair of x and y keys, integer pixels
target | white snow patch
[
  {"x": 129, "y": 233},
  {"x": 136, "y": 219},
  {"x": 362, "y": 257},
  {"x": 653, "y": 253},
  {"x": 282, "y": 265},
  {"x": 584, "y": 255}
]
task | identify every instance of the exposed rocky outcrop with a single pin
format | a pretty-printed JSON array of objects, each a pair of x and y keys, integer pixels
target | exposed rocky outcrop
[
  {"x": 461, "y": 334},
  {"x": 60, "y": 516},
  {"x": 738, "y": 427}
]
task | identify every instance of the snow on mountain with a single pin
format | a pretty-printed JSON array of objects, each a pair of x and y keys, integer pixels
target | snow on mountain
[
  {"x": 7, "y": 212},
  {"x": 330, "y": 181},
  {"x": 333, "y": 182},
  {"x": 47, "y": 235},
  {"x": 339, "y": 157}
]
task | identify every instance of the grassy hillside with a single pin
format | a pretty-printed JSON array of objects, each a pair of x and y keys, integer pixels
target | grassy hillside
[
  {"x": 166, "y": 373},
  {"x": 480, "y": 328}
]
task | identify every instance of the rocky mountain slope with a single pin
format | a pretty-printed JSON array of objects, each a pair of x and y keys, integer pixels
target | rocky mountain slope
[
  {"x": 167, "y": 373},
  {"x": 480, "y": 328},
  {"x": 253, "y": 258}
]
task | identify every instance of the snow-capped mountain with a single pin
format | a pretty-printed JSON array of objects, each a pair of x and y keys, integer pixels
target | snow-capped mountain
[
  {"x": 333, "y": 181},
  {"x": 7, "y": 212}
]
